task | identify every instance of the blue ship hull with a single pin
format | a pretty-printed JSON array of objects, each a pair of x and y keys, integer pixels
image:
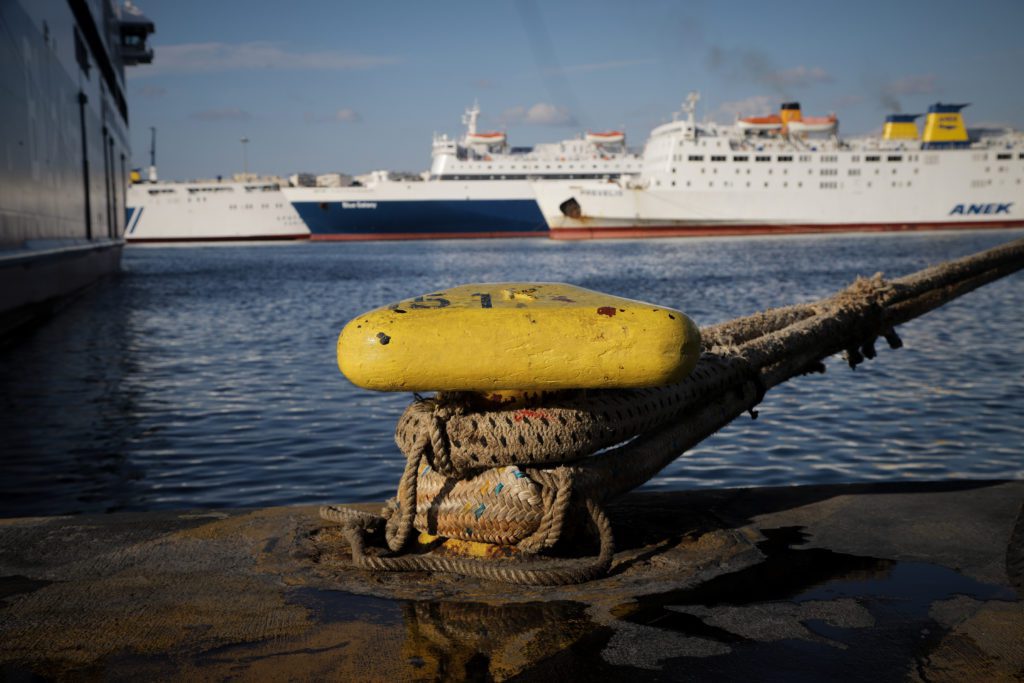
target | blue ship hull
[{"x": 427, "y": 219}]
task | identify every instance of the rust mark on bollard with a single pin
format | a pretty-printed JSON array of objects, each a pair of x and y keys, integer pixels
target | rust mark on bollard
[{"x": 606, "y": 310}]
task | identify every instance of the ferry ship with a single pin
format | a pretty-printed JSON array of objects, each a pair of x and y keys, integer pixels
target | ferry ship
[
  {"x": 208, "y": 211},
  {"x": 785, "y": 173},
  {"x": 65, "y": 136},
  {"x": 478, "y": 186}
]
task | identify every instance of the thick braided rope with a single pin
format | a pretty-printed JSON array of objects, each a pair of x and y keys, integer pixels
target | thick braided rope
[
  {"x": 556, "y": 492},
  {"x": 498, "y": 505},
  {"x": 563, "y": 429},
  {"x": 535, "y": 573},
  {"x": 400, "y": 524}
]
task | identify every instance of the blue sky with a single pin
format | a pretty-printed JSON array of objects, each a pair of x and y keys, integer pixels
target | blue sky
[{"x": 345, "y": 86}]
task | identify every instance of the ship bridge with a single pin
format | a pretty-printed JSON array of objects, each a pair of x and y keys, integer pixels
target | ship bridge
[{"x": 135, "y": 29}]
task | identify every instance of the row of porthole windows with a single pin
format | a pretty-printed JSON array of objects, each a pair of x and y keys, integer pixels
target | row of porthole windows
[
  {"x": 535, "y": 167},
  {"x": 825, "y": 184},
  {"x": 810, "y": 171},
  {"x": 785, "y": 158}
]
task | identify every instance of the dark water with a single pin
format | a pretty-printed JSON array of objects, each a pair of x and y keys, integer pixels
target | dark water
[{"x": 206, "y": 376}]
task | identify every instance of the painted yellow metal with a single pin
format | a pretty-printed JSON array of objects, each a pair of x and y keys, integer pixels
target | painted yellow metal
[
  {"x": 899, "y": 130},
  {"x": 517, "y": 336},
  {"x": 944, "y": 127}
]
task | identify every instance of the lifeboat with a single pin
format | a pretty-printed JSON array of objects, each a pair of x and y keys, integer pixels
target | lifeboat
[
  {"x": 814, "y": 124},
  {"x": 611, "y": 137},
  {"x": 489, "y": 139},
  {"x": 760, "y": 123}
]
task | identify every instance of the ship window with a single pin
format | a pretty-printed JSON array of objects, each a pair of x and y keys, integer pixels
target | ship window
[
  {"x": 762, "y": 158},
  {"x": 829, "y": 158},
  {"x": 696, "y": 157},
  {"x": 829, "y": 171},
  {"x": 786, "y": 158},
  {"x": 805, "y": 157},
  {"x": 1004, "y": 156},
  {"x": 872, "y": 158},
  {"x": 894, "y": 157},
  {"x": 717, "y": 158},
  {"x": 854, "y": 171},
  {"x": 855, "y": 157},
  {"x": 741, "y": 158},
  {"x": 1021, "y": 155}
]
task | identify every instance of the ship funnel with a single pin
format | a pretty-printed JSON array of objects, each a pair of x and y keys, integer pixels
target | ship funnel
[
  {"x": 900, "y": 127},
  {"x": 944, "y": 127},
  {"x": 790, "y": 111}
]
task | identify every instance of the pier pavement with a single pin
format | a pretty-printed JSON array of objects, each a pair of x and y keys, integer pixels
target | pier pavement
[{"x": 919, "y": 581}]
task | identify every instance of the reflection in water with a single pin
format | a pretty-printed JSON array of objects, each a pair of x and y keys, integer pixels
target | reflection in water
[
  {"x": 68, "y": 428},
  {"x": 476, "y": 641}
]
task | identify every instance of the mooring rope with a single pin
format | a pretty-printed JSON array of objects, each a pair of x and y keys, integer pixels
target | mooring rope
[{"x": 511, "y": 476}]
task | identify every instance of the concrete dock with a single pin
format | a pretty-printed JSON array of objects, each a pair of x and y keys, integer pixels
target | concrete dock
[{"x": 876, "y": 581}]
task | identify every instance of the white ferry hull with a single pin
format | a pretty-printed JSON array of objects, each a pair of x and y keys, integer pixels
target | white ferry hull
[
  {"x": 957, "y": 189},
  {"x": 205, "y": 212}
]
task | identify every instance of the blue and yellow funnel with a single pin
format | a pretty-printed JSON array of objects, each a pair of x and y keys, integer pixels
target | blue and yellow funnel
[
  {"x": 900, "y": 127},
  {"x": 944, "y": 127}
]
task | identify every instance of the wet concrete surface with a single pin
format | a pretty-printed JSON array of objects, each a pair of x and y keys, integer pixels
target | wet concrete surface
[{"x": 880, "y": 582}]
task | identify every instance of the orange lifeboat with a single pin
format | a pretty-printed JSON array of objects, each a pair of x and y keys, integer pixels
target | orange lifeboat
[
  {"x": 489, "y": 139},
  {"x": 815, "y": 124},
  {"x": 760, "y": 123},
  {"x": 611, "y": 137}
]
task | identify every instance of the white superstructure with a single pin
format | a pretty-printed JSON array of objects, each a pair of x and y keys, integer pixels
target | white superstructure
[
  {"x": 204, "y": 211},
  {"x": 765, "y": 174},
  {"x": 488, "y": 156}
]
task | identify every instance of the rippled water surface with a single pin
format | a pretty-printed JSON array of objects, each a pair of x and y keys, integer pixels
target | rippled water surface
[{"x": 206, "y": 376}]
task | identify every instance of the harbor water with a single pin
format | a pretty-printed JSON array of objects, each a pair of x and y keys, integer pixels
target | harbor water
[{"x": 206, "y": 376}]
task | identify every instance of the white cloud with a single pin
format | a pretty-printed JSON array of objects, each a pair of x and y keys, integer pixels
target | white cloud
[
  {"x": 798, "y": 77},
  {"x": 188, "y": 58},
  {"x": 151, "y": 91},
  {"x": 912, "y": 85},
  {"x": 345, "y": 115},
  {"x": 757, "y": 105},
  {"x": 602, "y": 66},
  {"x": 225, "y": 114},
  {"x": 540, "y": 114}
]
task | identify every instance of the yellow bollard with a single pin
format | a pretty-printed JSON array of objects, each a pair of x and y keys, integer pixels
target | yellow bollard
[{"x": 523, "y": 337}]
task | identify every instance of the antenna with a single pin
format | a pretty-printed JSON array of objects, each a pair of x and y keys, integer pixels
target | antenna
[
  {"x": 152, "y": 154},
  {"x": 469, "y": 118},
  {"x": 690, "y": 107}
]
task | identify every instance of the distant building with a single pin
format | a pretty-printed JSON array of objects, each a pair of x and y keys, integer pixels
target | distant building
[
  {"x": 333, "y": 180},
  {"x": 302, "y": 180}
]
